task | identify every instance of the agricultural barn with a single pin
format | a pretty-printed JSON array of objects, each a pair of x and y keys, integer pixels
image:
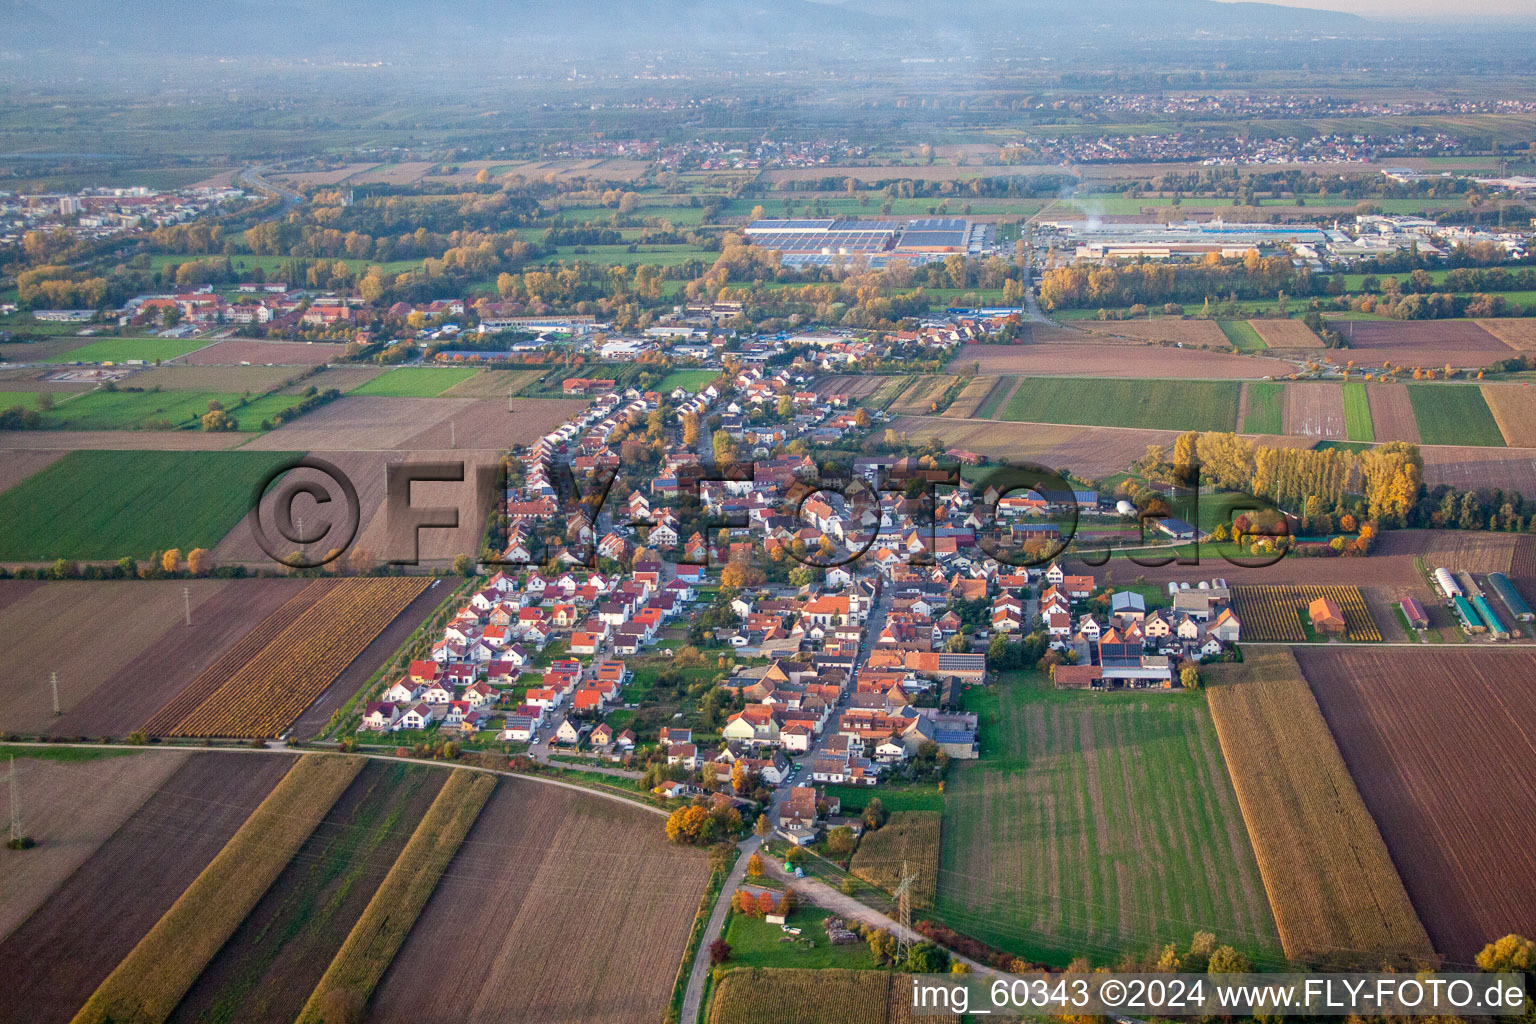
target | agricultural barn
[
  {"x": 1511, "y": 598},
  {"x": 1327, "y": 617},
  {"x": 1414, "y": 613}
]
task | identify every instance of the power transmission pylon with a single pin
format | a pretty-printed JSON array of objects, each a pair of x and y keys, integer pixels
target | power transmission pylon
[
  {"x": 904, "y": 912},
  {"x": 53, "y": 679},
  {"x": 15, "y": 807}
]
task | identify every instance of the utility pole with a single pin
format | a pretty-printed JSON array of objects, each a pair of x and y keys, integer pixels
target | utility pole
[
  {"x": 15, "y": 808},
  {"x": 53, "y": 679},
  {"x": 904, "y": 911},
  {"x": 453, "y": 434},
  {"x": 186, "y": 595}
]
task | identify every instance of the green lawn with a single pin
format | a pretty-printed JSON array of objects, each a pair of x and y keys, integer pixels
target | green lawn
[
  {"x": 1149, "y": 404},
  {"x": 1357, "y": 412},
  {"x": 1266, "y": 407},
  {"x": 107, "y": 504},
  {"x": 895, "y": 796},
  {"x": 692, "y": 381},
  {"x": 415, "y": 381},
  {"x": 130, "y": 410},
  {"x": 1097, "y": 824},
  {"x": 122, "y": 350},
  {"x": 1454, "y": 414},
  {"x": 755, "y": 943},
  {"x": 1242, "y": 335}
]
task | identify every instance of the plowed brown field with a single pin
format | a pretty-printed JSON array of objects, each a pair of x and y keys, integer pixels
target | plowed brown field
[
  {"x": 1457, "y": 550},
  {"x": 1470, "y": 469},
  {"x": 1440, "y": 744},
  {"x": 1315, "y": 409},
  {"x": 1094, "y": 451},
  {"x": 1514, "y": 410},
  {"x": 1392, "y": 416},
  {"x": 578, "y": 909},
  {"x": 1518, "y": 334},
  {"x": 1426, "y": 343},
  {"x": 285, "y": 353},
  {"x": 1200, "y": 333},
  {"x": 1286, "y": 334}
]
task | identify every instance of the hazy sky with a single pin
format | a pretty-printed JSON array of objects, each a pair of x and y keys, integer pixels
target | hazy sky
[{"x": 1459, "y": 9}]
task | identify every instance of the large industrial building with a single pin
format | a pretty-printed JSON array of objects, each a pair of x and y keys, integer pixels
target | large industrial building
[
  {"x": 820, "y": 242},
  {"x": 1100, "y": 241}
]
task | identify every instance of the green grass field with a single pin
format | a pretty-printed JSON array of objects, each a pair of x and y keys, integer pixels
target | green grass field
[
  {"x": 107, "y": 504},
  {"x": 130, "y": 410},
  {"x": 1266, "y": 406},
  {"x": 415, "y": 382},
  {"x": 1096, "y": 824},
  {"x": 1148, "y": 404},
  {"x": 122, "y": 350},
  {"x": 894, "y": 796},
  {"x": 1357, "y": 412},
  {"x": 692, "y": 381},
  {"x": 755, "y": 943},
  {"x": 988, "y": 408},
  {"x": 1454, "y": 414},
  {"x": 1242, "y": 335}
]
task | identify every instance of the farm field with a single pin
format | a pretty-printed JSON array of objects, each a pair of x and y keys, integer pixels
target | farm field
[
  {"x": 1285, "y": 334},
  {"x": 919, "y": 396},
  {"x": 1315, "y": 409},
  {"x": 380, "y": 930},
  {"x": 17, "y": 466},
  {"x": 118, "y": 440},
  {"x": 1096, "y": 451},
  {"x": 70, "y": 808},
  {"x": 691, "y": 381},
  {"x": 1454, "y": 414},
  {"x": 1519, "y": 335},
  {"x": 1170, "y": 330},
  {"x": 235, "y": 380},
  {"x": 1097, "y": 824},
  {"x": 132, "y": 410},
  {"x": 43, "y": 636},
  {"x": 278, "y": 953},
  {"x": 1458, "y": 550},
  {"x": 374, "y": 423},
  {"x": 1468, "y": 469},
  {"x": 1427, "y": 343},
  {"x": 493, "y": 384},
  {"x": 852, "y": 386},
  {"x": 1113, "y": 360},
  {"x": 48, "y": 350},
  {"x": 1514, "y": 410},
  {"x": 264, "y": 695},
  {"x": 999, "y": 394},
  {"x": 148, "y": 983},
  {"x": 108, "y": 504},
  {"x": 910, "y": 838},
  {"x": 1392, "y": 416},
  {"x": 539, "y": 862},
  {"x": 1263, "y": 407},
  {"x": 286, "y": 353},
  {"x": 1422, "y": 732},
  {"x": 1336, "y": 896},
  {"x": 1357, "y": 412},
  {"x": 1145, "y": 404},
  {"x": 415, "y": 381},
  {"x": 771, "y": 995},
  {"x": 971, "y": 397},
  {"x": 68, "y": 946},
  {"x": 340, "y": 378},
  {"x": 890, "y": 388},
  {"x": 755, "y": 943},
  {"x": 1242, "y": 335},
  {"x": 128, "y": 350},
  {"x": 1274, "y": 613}
]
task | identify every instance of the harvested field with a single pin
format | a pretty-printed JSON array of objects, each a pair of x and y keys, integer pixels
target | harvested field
[
  {"x": 286, "y": 353},
  {"x": 1518, "y": 334},
  {"x": 493, "y": 384},
  {"x": 783, "y": 995},
  {"x": 220, "y": 625},
  {"x": 1523, "y": 565},
  {"x": 1274, "y": 613},
  {"x": 371, "y": 945},
  {"x": 17, "y": 466},
  {"x": 331, "y": 177},
  {"x": 910, "y": 839},
  {"x": 1125, "y": 361},
  {"x": 1144, "y": 404},
  {"x": 339, "y": 378},
  {"x": 149, "y": 982},
  {"x": 1423, "y": 731},
  {"x": 361, "y": 423},
  {"x": 1392, "y": 413},
  {"x": 1315, "y": 409},
  {"x": 280, "y": 950},
  {"x": 1336, "y": 896},
  {"x": 1454, "y": 414},
  {"x": 1514, "y": 410},
  {"x": 1095, "y": 451},
  {"x": 490, "y": 423},
  {"x": 1458, "y": 550},
  {"x": 971, "y": 397},
  {"x": 233, "y": 379},
  {"x": 70, "y": 808},
  {"x": 1375, "y": 571},
  {"x": 62, "y": 952},
  {"x": 890, "y": 388},
  {"x": 392, "y": 174},
  {"x": 1006, "y": 386},
  {"x": 368, "y": 473},
  {"x": 919, "y": 397},
  {"x": 1049, "y": 837},
  {"x": 1425, "y": 343},
  {"x": 43, "y": 635},
  {"x": 1470, "y": 469},
  {"x": 1199, "y": 333},
  {"x": 267, "y": 693},
  {"x": 117, "y": 440},
  {"x": 1284, "y": 334},
  {"x": 48, "y": 350},
  {"x": 861, "y": 386},
  {"x": 539, "y": 862}
]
